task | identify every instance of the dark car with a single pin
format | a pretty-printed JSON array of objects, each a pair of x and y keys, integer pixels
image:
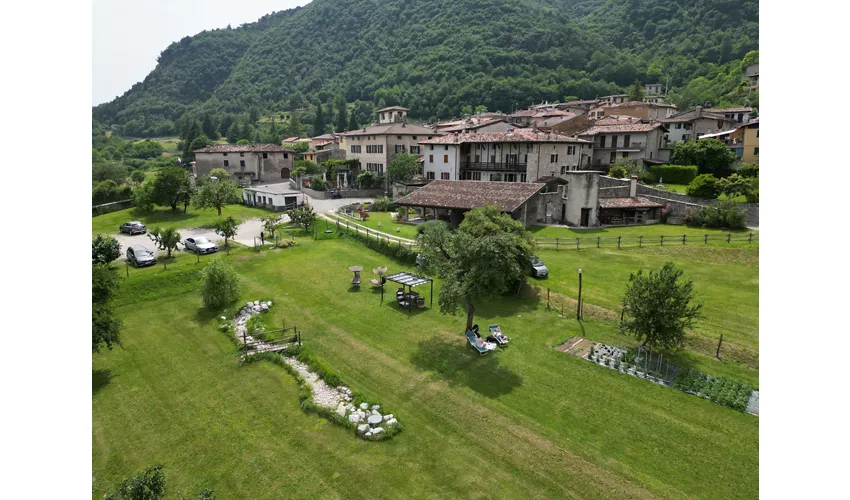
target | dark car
[
  {"x": 200, "y": 245},
  {"x": 134, "y": 227},
  {"x": 139, "y": 256},
  {"x": 538, "y": 269}
]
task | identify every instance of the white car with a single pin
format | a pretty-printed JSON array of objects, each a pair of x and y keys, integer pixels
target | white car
[{"x": 200, "y": 245}]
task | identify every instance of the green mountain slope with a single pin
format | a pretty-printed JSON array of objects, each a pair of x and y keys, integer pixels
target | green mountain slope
[{"x": 435, "y": 56}]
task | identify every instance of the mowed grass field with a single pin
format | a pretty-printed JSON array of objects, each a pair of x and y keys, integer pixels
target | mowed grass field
[
  {"x": 526, "y": 421},
  {"x": 388, "y": 225},
  {"x": 195, "y": 218}
]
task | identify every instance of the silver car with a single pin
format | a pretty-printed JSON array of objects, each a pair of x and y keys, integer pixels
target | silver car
[
  {"x": 139, "y": 256},
  {"x": 538, "y": 268},
  {"x": 200, "y": 245}
]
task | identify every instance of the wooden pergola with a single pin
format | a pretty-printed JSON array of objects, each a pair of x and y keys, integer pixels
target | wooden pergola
[{"x": 410, "y": 280}]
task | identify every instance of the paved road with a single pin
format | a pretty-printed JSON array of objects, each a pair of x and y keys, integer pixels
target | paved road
[{"x": 245, "y": 233}]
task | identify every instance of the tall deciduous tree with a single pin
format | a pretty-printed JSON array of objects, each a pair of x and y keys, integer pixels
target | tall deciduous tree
[
  {"x": 657, "y": 307},
  {"x": 711, "y": 156},
  {"x": 403, "y": 167},
  {"x": 104, "y": 249},
  {"x": 226, "y": 228},
  {"x": 484, "y": 258},
  {"x": 302, "y": 216},
  {"x": 169, "y": 186},
  {"x": 105, "y": 325},
  {"x": 165, "y": 239},
  {"x": 217, "y": 194}
]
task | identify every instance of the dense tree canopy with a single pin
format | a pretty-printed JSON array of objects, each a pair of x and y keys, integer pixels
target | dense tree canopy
[{"x": 436, "y": 56}]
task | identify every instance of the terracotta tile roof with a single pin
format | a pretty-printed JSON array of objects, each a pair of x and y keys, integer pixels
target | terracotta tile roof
[
  {"x": 515, "y": 135},
  {"x": 637, "y": 202},
  {"x": 687, "y": 116},
  {"x": 614, "y": 129},
  {"x": 244, "y": 148},
  {"x": 552, "y": 112},
  {"x": 632, "y": 104},
  {"x": 525, "y": 112},
  {"x": 578, "y": 103},
  {"x": 476, "y": 124},
  {"x": 326, "y": 137},
  {"x": 290, "y": 140},
  {"x": 616, "y": 120},
  {"x": 393, "y": 129},
  {"x": 466, "y": 195},
  {"x": 392, "y": 108},
  {"x": 729, "y": 110}
]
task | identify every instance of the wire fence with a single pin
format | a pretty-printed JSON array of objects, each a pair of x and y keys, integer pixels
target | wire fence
[{"x": 578, "y": 243}]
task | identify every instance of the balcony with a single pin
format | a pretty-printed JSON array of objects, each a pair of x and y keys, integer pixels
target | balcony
[{"x": 492, "y": 166}]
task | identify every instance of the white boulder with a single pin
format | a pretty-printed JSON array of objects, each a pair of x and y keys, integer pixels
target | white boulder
[
  {"x": 363, "y": 428},
  {"x": 377, "y": 430},
  {"x": 391, "y": 421},
  {"x": 374, "y": 420},
  {"x": 364, "y": 406},
  {"x": 341, "y": 410},
  {"x": 354, "y": 418},
  {"x": 388, "y": 416},
  {"x": 375, "y": 407}
]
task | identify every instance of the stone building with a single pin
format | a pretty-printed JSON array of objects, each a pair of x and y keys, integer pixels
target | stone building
[
  {"x": 516, "y": 155},
  {"x": 376, "y": 146},
  {"x": 247, "y": 164},
  {"x": 689, "y": 125},
  {"x": 643, "y": 142}
]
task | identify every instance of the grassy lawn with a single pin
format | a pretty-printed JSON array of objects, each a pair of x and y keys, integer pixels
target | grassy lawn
[
  {"x": 726, "y": 281},
  {"x": 388, "y": 225},
  {"x": 653, "y": 230},
  {"x": 527, "y": 421},
  {"x": 108, "y": 223}
]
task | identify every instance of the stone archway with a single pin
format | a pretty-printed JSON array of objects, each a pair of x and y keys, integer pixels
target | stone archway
[{"x": 284, "y": 173}]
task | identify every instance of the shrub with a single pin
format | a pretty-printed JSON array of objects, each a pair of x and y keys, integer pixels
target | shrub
[
  {"x": 381, "y": 204},
  {"x": 674, "y": 174},
  {"x": 647, "y": 178},
  {"x": 748, "y": 170},
  {"x": 703, "y": 186},
  {"x": 421, "y": 228},
  {"x": 104, "y": 249},
  {"x": 365, "y": 179},
  {"x": 618, "y": 172},
  {"x": 256, "y": 327},
  {"x": 220, "y": 284},
  {"x": 726, "y": 214},
  {"x": 318, "y": 184}
]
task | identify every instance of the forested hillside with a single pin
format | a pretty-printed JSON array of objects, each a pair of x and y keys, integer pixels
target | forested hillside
[{"x": 435, "y": 56}]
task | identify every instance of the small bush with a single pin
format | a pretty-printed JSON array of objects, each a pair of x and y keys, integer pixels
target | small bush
[
  {"x": 381, "y": 204},
  {"x": 674, "y": 174},
  {"x": 220, "y": 284},
  {"x": 703, "y": 186},
  {"x": 749, "y": 170},
  {"x": 256, "y": 327},
  {"x": 318, "y": 184},
  {"x": 726, "y": 214},
  {"x": 618, "y": 172}
]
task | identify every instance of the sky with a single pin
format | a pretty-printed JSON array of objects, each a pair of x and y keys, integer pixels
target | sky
[{"x": 128, "y": 36}]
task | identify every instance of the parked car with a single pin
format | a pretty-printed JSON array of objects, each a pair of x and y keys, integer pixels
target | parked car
[
  {"x": 139, "y": 256},
  {"x": 200, "y": 245},
  {"x": 134, "y": 227},
  {"x": 538, "y": 268}
]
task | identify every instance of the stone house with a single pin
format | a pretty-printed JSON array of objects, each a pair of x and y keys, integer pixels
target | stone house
[
  {"x": 324, "y": 147},
  {"x": 688, "y": 125},
  {"x": 644, "y": 142},
  {"x": 377, "y": 145},
  {"x": 516, "y": 155},
  {"x": 473, "y": 124},
  {"x": 738, "y": 115},
  {"x": 568, "y": 124},
  {"x": 392, "y": 114},
  {"x": 646, "y": 111},
  {"x": 247, "y": 164},
  {"x": 743, "y": 140}
]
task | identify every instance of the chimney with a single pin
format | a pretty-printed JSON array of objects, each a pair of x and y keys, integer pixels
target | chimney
[
  {"x": 633, "y": 187},
  {"x": 699, "y": 111}
]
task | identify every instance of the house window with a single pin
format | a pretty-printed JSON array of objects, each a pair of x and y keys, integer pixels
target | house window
[
  {"x": 226, "y": 163},
  {"x": 431, "y": 146},
  {"x": 429, "y": 137},
  {"x": 625, "y": 154},
  {"x": 476, "y": 176},
  {"x": 686, "y": 137},
  {"x": 613, "y": 141},
  {"x": 414, "y": 150},
  {"x": 444, "y": 176},
  {"x": 242, "y": 163},
  {"x": 523, "y": 177},
  {"x": 445, "y": 158},
  {"x": 756, "y": 151},
  {"x": 510, "y": 177},
  {"x": 627, "y": 139},
  {"x": 719, "y": 125},
  {"x": 430, "y": 158},
  {"x": 571, "y": 150},
  {"x": 241, "y": 154},
  {"x": 447, "y": 147},
  {"x": 602, "y": 141},
  {"x": 553, "y": 158},
  {"x": 285, "y": 155},
  {"x": 224, "y": 154},
  {"x": 431, "y": 176},
  {"x": 679, "y": 126},
  {"x": 265, "y": 155},
  {"x": 399, "y": 137},
  {"x": 496, "y": 177},
  {"x": 563, "y": 169}
]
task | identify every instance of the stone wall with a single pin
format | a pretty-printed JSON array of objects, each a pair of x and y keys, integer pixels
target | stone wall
[
  {"x": 614, "y": 192},
  {"x": 111, "y": 207},
  {"x": 605, "y": 181}
]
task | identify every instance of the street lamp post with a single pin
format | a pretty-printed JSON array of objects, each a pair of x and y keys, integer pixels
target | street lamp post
[{"x": 578, "y": 306}]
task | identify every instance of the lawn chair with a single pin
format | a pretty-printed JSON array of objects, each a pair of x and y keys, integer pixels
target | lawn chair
[
  {"x": 497, "y": 337},
  {"x": 473, "y": 341}
]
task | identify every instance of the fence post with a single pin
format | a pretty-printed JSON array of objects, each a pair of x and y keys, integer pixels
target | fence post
[
  {"x": 706, "y": 239},
  {"x": 662, "y": 240},
  {"x": 597, "y": 242},
  {"x": 547, "y": 299},
  {"x": 618, "y": 242},
  {"x": 640, "y": 241},
  {"x": 719, "y": 343},
  {"x": 729, "y": 238},
  {"x": 683, "y": 238},
  {"x": 367, "y": 233},
  {"x": 577, "y": 243},
  {"x": 556, "y": 243},
  {"x": 127, "y": 266},
  {"x": 751, "y": 238}
]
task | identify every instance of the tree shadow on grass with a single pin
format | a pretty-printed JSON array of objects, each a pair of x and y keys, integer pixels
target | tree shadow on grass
[
  {"x": 100, "y": 379},
  {"x": 458, "y": 364}
]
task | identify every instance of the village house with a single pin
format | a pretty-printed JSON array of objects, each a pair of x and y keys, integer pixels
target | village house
[
  {"x": 743, "y": 140},
  {"x": 278, "y": 197},
  {"x": 522, "y": 117},
  {"x": 578, "y": 107},
  {"x": 752, "y": 74},
  {"x": 643, "y": 142},
  {"x": 737, "y": 115},
  {"x": 474, "y": 124},
  {"x": 646, "y": 111},
  {"x": 614, "y": 99},
  {"x": 376, "y": 146},
  {"x": 324, "y": 147},
  {"x": 392, "y": 114},
  {"x": 517, "y": 155},
  {"x": 688, "y": 125},
  {"x": 565, "y": 124},
  {"x": 247, "y": 164},
  {"x": 653, "y": 89}
]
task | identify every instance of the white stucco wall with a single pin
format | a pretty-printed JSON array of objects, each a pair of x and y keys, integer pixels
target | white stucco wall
[{"x": 437, "y": 165}]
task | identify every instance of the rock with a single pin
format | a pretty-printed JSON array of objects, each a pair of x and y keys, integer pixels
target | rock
[
  {"x": 223, "y": 318},
  {"x": 388, "y": 416},
  {"x": 368, "y": 434},
  {"x": 374, "y": 420},
  {"x": 376, "y": 414},
  {"x": 264, "y": 308},
  {"x": 375, "y": 407},
  {"x": 392, "y": 421},
  {"x": 364, "y": 406},
  {"x": 250, "y": 304},
  {"x": 341, "y": 410},
  {"x": 354, "y": 418},
  {"x": 270, "y": 303},
  {"x": 363, "y": 428},
  {"x": 377, "y": 430}
]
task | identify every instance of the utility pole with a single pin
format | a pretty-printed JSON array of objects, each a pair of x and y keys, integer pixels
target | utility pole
[{"x": 578, "y": 306}]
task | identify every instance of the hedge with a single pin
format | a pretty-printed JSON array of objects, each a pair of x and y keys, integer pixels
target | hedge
[{"x": 674, "y": 174}]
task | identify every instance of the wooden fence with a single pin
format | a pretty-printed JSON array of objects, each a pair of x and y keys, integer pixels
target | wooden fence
[
  {"x": 639, "y": 241},
  {"x": 359, "y": 230}
]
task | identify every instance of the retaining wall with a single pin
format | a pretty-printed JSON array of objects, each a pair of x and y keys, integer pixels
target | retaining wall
[{"x": 110, "y": 207}]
